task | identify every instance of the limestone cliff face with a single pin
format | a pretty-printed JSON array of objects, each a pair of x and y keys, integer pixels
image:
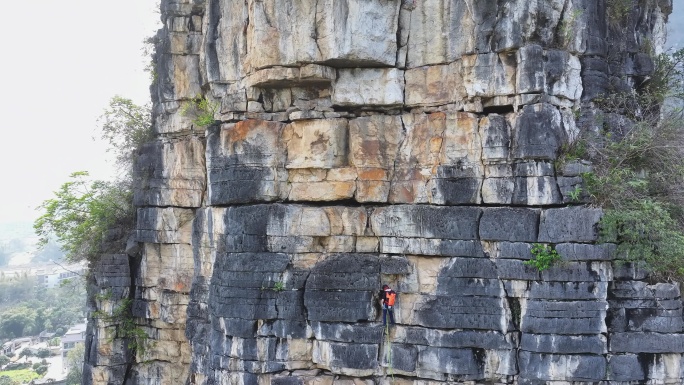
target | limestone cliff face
[{"x": 362, "y": 142}]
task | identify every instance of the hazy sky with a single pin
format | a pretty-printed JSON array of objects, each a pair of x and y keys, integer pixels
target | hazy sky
[
  {"x": 676, "y": 26},
  {"x": 61, "y": 63}
]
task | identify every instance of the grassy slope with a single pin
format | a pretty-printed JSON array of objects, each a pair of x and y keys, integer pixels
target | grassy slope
[{"x": 22, "y": 375}]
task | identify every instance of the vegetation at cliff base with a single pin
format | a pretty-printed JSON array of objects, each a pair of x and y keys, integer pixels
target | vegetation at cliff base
[
  {"x": 638, "y": 169},
  {"x": 27, "y": 308}
]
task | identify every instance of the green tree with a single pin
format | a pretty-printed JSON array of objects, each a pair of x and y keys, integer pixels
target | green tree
[
  {"x": 17, "y": 289},
  {"x": 43, "y": 353},
  {"x": 17, "y": 322},
  {"x": 126, "y": 126},
  {"x": 27, "y": 308},
  {"x": 41, "y": 370},
  {"x": 4, "y": 360},
  {"x": 82, "y": 212},
  {"x": 75, "y": 365}
]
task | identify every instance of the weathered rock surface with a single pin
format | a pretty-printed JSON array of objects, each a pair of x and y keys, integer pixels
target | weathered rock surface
[{"x": 357, "y": 143}]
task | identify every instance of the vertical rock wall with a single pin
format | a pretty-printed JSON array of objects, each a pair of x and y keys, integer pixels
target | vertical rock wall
[{"x": 362, "y": 142}]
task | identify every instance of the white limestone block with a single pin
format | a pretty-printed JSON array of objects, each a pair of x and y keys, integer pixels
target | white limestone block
[{"x": 369, "y": 86}]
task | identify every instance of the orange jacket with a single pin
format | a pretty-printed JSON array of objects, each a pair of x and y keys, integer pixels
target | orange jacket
[{"x": 388, "y": 297}]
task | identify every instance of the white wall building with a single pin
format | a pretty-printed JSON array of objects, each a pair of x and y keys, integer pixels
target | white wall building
[
  {"x": 74, "y": 336},
  {"x": 54, "y": 276}
]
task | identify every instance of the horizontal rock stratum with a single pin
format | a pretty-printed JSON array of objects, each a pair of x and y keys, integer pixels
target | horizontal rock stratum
[{"x": 358, "y": 143}]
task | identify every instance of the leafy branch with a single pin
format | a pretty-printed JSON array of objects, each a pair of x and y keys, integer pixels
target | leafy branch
[
  {"x": 82, "y": 212},
  {"x": 126, "y": 126}
]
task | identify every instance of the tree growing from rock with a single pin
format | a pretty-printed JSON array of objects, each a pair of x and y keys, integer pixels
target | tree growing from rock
[
  {"x": 126, "y": 126},
  {"x": 84, "y": 211}
]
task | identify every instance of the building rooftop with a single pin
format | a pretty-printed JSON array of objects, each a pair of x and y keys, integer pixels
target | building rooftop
[{"x": 76, "y": 329}]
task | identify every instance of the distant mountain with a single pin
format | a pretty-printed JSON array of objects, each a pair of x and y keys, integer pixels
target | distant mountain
[
  {"x": 18, "y": 245},
  {"x": 16, "y": 230}
]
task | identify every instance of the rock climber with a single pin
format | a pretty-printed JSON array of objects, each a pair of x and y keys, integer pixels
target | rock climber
[{"x": 387, "y": 297}]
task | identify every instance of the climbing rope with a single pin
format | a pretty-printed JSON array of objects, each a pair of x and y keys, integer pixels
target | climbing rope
[{"x": 388, "y": 345}]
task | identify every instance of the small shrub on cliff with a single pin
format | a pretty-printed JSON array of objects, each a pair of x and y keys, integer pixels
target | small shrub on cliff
[
  {"x": 200, "y": 109},
  {"x": 544, "y": 256},
  {"x": 567, "y": 28},
  {"x": 646, "y": 231},
  {"x": 149, "y": 50},
  {"x": 126, "y": 328},
  {"x": 618, "y": 10}
]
